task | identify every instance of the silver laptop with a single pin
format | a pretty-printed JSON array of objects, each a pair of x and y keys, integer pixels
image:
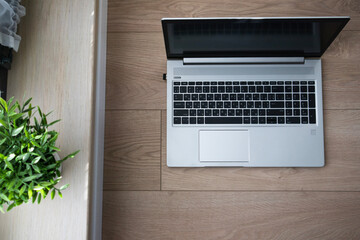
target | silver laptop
[{"x": 246, "y": 92}]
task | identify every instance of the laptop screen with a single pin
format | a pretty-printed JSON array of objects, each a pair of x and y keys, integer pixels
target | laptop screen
[{"x": 250, "y": 37}]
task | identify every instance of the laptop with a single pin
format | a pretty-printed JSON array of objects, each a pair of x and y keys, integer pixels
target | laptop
[{"x": 246, "y": 92}]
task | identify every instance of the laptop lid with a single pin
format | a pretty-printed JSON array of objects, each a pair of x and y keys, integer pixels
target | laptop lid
[{"x": 250, "y": 37}]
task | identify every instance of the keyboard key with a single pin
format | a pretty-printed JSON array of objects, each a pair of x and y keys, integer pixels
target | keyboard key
[
  {"x": 256, "y": 96},
  {"x": 188, "y": 104},
  {"x": 257, "y": 83},
  {"x": 312, "y": 116},
  {"x": 194, "y": 97},
  {"x": 257, "y": 104},
  {"x": 275, "y": 112},
  {"x": 246, "y": 112},
  {"x": 296, "y": 104},
  {"x": 259, "y": 89},
  {"x": 210, "y": 97},
  {"x": 262, "y": 112},
  {"x": 261, "y": 120},
  {"x": 303, "y": 88},
  {"x": 271, "y": 96},
  {"x": 206, "y": 83},
  {"x": 288, "y": 104},
  {"x": 311, "y": 88},
  {"x": 177, "y": 120},
  {"x": 303, "y": 82},
  {"x": 176, "y": 83},
  {"x": 281, "y": 120},
  {"x": 263, "y": 96},
  {"x": 198, "y": 89},
  {"x": 219, "y": 104},
  {"x": 223, "y": 112},
  {"x": 246, "y": 120},
  {"x": 192, "y": 83},
  {"x": 296, "y": 96},
  {"x": 231, "y": 112},
  {"x": 303, "y": 96},
  {"x": 251, "y": 83},
  {"x": 304, "y": 104},
  {"x": 183, "y": 89},
  {"x": 279, "y": 96},
  {"x": 304, "y": 120},
  {"x": 221, "y": 83},
  {"x": 237, "y": 89},
  {"x": 232, "y": 96},
  {"x": 296, "y": 112},
  {"x": 221, "y": 89},
  {"x": 280, "y": 83},
  {"x": 311, "y": 82},
  {"x": 234, "y": 104},
  {"x": 252, "y": 89},
  {"x": 199, "y": 83},
  {"x": 296, "y": 82},
  {"x": 254, "y": 120},
  {"x": 244, "y": 89},
  {"x": 193, "y": 120},
  {"x": 196, "y": 104},
  {"x": 276, "y": 104},
  {"x": 202, "y": 97},
  {"x": 304, "y": 112},
  {"x": 227, "y": 104},
  {"x": 223, "y": 120},
  {"x": 207, "y": 112},
  {"x": 288, "y": 89},
  {"x": 242, "y": 104},
  {"x": 248, "y": 96},
  {"x": 288, "y": 112},
  {"x": 267, "y": 89},
  {"x": 213, "y": 83},
  {"x": 287, "y": 82},
  {"x": 296, "y": 89},
  {"x": 191, "y": 89},
  {"x": 184, "y": 83},
  {"x": 265, "y": 104},
  {"x": 288, "y": 96},
  {"x": 192, "y": 112},
  {"x": 311, "y": 101},
  {"x": 217, "y": 96},
  {"x": 272, "y": 83},
  {"x": 238, "y": 112},
  {"x": 213, "y": 89},
  {"x": 225, "y": 97},
  {"x": 216, "y": 112},
  {"x": 176, "y": 89},
  {"x": 236, "y": 83},
  {"x": 179, "y": 105},
  {"x": 212, "y": 105},
  {"x": 271, "y": 120},
  {"x": 181, "y": 112},
  {"x": 292, "y": 120},
  {"x": 200, "y": 120},
  {"x": 250, "y": 104},
  {"x": 229, "y": 89},
  {"x": 185, "y": 120},
  {"x": 206, "y": 89},
  {"x": 178, "y": 97},
  {"x": 204, "y": 104},
  {"x": 254, "y": 112},
  {"x": 186, "y": 97}
]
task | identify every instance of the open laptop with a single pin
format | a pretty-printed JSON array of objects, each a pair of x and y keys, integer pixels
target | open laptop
[{"x": 246, "y": 92}]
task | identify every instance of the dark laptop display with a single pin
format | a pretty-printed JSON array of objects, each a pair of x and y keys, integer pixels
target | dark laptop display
[{"x": 271, "y": 37}]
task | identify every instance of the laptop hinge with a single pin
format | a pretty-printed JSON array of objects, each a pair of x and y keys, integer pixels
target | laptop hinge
[{"x": 246, "y": 60}]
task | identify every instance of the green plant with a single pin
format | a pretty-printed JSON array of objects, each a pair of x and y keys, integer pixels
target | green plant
[{"x": 28, "y": 169}]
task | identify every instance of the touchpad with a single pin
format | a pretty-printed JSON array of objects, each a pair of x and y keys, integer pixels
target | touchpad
[{"x": 224, "y": 146}]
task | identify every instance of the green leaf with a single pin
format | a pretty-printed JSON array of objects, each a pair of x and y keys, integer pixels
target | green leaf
[
  {"x": 39, "y": 199},
  {"x": 52, "y": 194},
  {"x": 30, "y": 193},
  {"x": 22, "y": 190},
  {"x": 10, "y": 157},
  {"x": 3, "y": 196},
  {"x": 36, "y": 160},
  {"x": 10, "y": 207},
  {"x": 36, "y": 168},
  {"x": 8, "y": 164},
  {"x": 1, "y": 209},
  {"x": 3, "y": 103},
  {"x": 27, "y": 179},
  {"x": 34, "y": 197},
  {"x": 64, "y": 187},
  {"x": 26, "y": 103},
  {"x": 38, "y": 187},
  {"x": 2, "y": 122},
  {"x": 16, "y": 131},
  {"x": 52, "y": 123},
  {"x": 43, "y": 193},
  {"x": 60, "y": 194}
]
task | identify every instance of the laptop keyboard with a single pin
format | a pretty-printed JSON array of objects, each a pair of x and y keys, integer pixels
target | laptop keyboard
[{"x": 244, "y": 102}]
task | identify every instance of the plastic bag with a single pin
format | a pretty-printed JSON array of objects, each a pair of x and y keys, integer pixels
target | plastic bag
[{"x": 10, "y": 13}]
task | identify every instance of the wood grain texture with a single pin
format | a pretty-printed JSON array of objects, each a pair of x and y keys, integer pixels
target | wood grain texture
[
  {"x": 341, "y": 173},
  {"x": 144, "y": 16},
  {"x": 136, "y": 61},
  {"x": 55, "y": 66},
  {"x": 231, "y": 215},
  {"x": 132, "y": 150}
]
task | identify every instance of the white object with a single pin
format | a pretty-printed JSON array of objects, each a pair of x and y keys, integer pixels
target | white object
[{"x": 10, "y": 13}]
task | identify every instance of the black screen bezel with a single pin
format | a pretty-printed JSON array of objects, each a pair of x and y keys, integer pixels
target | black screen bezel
[{"x": 342, "y": 20}]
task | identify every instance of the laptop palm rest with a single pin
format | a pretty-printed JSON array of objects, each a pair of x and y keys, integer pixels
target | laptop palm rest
[{"x": 224, "y": 146}]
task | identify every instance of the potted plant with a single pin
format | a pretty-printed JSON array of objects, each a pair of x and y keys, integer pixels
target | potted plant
[{"x": 28, "y": 166}]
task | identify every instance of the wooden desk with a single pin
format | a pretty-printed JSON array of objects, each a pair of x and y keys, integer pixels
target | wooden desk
[{"x": 144, "y": 199}]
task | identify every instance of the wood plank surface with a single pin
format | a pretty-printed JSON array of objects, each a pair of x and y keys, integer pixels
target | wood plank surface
[
  {"x": 136, "y": 61},
  {"x": 341, "y": 173},
  {"x": 55, "y": 66},
  {"x": 144, "y": 15},
  {"x": 231, "y": 215},
  {"x": 132, "y": 150}
]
